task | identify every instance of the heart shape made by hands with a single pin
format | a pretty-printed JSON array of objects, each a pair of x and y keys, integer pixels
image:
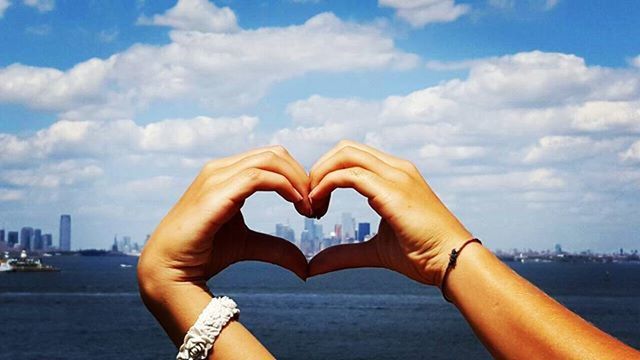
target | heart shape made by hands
[{"x": 413, "y": 219}]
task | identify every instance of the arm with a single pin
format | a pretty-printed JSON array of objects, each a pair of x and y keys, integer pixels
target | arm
[
  {"x": 534, "y": 321},
  {"x": 177, "y": 306},
  {"x": 416, "y": 234},
  {"x": 205, "y": 232}
]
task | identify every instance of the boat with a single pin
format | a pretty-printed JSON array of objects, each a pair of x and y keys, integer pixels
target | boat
[
  {"x": 5, "y": 267},
  {"x": 25, "y": 264},
  {"x": 4, "y": 263}
]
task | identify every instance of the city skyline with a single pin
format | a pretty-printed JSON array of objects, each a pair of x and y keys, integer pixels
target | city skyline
[{"x": 32, "y": 238}]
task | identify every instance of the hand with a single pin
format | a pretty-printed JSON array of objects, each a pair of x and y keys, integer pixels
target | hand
[
  {"x": 417, "y": 232},
  {"x": 205, "y": 231}
]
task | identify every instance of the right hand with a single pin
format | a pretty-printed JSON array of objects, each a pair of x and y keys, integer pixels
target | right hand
[
  {"x": 416, "y": 232},
  {"x": 205, "y": 231}
]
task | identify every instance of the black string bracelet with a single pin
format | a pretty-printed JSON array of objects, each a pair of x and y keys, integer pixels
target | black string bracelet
[{"x": 453, "y": 259}]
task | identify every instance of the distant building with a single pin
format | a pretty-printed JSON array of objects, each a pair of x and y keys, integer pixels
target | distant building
[
  {"x": 364, "y": 229},
  {"x": 2, "y": 235},
  {"x": 114, "y": 247},
  {"x": 329, "y": 241},
  {"x": 558, "y": 248},
  {"x": 47, "y": 241},
  {"x": 65, "y": 232},
  {"x": 26, "y": 234},
  {"x": 12, "y": 239},
  {"x": 285, "y": 232},
  {"x": 125, "y": 244},
  {"x": 307, "y": 245},
  {"x": 348, "y": 228},
  {"x": 337, "y": 229},
  {"x": 37, "y": 244}
]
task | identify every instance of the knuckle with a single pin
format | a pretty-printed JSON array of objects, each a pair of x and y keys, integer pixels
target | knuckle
[
  {"x": 252, "y": 175},
  {"x": 357, "y": 172},
  {"x": 409, "y": 166},
  {"x": 269, "y": 156},
  {"x": 279, "y": 150},
  {"x": 210, "y": 166}
]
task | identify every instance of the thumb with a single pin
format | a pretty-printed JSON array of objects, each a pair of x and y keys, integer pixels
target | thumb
[
  {"x": 345, "y": 256},
  {"x": 275, "y": 250}
]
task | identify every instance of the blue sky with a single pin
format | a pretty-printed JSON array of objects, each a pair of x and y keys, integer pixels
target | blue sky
[{"x": 523, "y": 114}]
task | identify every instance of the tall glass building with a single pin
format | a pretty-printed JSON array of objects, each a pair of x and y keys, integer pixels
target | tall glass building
[
  {"x": 65, "y": 232},
  {"x": 26, "y": 234}
]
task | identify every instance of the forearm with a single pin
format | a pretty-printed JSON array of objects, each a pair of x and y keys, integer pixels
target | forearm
[
  {"x": 176, "y": 306},
  {"x": 514, "y": 319}
]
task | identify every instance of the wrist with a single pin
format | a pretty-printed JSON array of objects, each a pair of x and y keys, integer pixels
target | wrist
[
  {"x": 449, "y": 242},
  {"x": 474, "y": 259},
  {"x": 157, "y": 283}
]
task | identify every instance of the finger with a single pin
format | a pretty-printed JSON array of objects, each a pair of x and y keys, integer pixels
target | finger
[
  {"x": 271, "y": 161},
  {"x": 248, "y": 181},
  {"x": 275, "y": 250},
  {"x": 348, "y": 157},
  {"x": 277, "y": 149},
  {"x": 345, "y": 256},
  {"x": 319, "y": 206},
  {"x": 365, "y": 182},
  {"x": 389, "y": 159},
  {"x": 226, "y": 161}
]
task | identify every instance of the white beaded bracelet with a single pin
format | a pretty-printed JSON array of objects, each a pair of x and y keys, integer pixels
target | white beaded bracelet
[{"x": 200, "y": 337}]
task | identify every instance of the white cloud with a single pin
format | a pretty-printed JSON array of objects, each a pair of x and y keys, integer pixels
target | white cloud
[
  {"x": 636, "y": 61},
  {"x": 99, "y": 139},
  {"x": 11, "y": 195},
  {"x": 552, "y": 149},
  {"x": 65, "y": 173},
  {"x": 154, "y": 185},
  {"x": 4, "y": 5},
  {"x": 451, "y": 152},
  {"x": 604, "y": 115},
  {"x": 537, "y": 179},
  {"x": 419, "y": 13},
  {"x": 198, "y": 15},
  {"x": 41, "y": 5},
  {"x": 305, "y": 112},
  {"x": 542, "y": 79},
  {"x": 230, "y": 70},
  {"x": 52, "y": 89},
  {"x": 199, "y": 133},
  {"x": 632, "y": 154},
  {"x": 516, "y": 122}
]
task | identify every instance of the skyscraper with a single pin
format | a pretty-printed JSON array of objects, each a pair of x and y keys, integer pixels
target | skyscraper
[
  {"x": 65, "y": 232},
  {"x": 348, "y": 228},
  {"x": 12, "y": 238},
  {"x": 47, "y": 241},
  {"x": 285, "y": 232},
  {"x": 37, "y": 244},
  {"x": 364, "y": 229},
  {"x": 26, "y": 233},
  {"x": 1, "y": 235}
]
